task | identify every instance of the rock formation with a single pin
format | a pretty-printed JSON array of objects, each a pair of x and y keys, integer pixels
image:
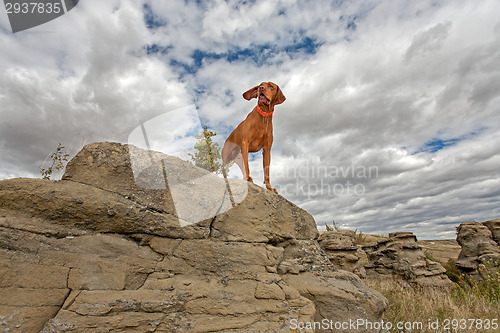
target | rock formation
[
  {"x": 401, "y": 257},
  {"x": 137, "y": 241},
  {"x": 343, "y": 251},
  {"x": 494, "y": 226},
  {"x": 480, "y": 245}
]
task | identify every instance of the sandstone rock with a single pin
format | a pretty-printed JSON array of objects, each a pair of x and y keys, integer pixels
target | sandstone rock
[
  {"x": 333, "y": 292},
  {"x": 342, "y": 250},
  {"x": 42, "y": 263},
  {"x": 263, "y": 217},
  {"x": 103, "y": 251},
  {"x": 159, "y": 182},
  {"x": 193, "y": 204},
  {"x": 90, "y": 208},
  {"x": 399, "y": 256},
  {"x": 478, "y": 247},
  {"x": 494, "y": 226}
]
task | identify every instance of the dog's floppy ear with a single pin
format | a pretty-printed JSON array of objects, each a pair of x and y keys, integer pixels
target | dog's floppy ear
[
  {"x": 279, "y": 97},
  {"x": 252, "y": 93}
]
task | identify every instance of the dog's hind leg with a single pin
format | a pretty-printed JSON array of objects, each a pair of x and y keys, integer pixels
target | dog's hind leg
[
  {"x": 228, "y": 188},
  {"x": 228, "y": 151},
  {"x": 239, "y": 162}
]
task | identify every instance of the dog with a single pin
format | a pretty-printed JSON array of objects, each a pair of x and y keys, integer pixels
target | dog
[{"x": 255, "y": 132}]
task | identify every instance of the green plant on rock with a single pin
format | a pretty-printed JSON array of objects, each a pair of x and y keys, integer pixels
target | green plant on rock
[
  {"x": 360, "y": 237},
  {"x": 334, "y": 227},
  {"x": 429, "y": 256},
  {"x": 408, "y": 275},
  {"x": 59, "y": 159}
]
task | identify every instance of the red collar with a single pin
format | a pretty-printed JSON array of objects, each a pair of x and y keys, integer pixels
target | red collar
[{"x": 265, "y": 114}]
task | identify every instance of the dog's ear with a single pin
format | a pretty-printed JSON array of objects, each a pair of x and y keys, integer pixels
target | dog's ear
[
  {"x": 252, "y": 93},
  {"x": 279, "y": 97}
]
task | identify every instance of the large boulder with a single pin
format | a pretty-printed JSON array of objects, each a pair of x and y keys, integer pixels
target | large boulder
[
  {"x": 478, "y": 247},
  {"x": 113, "y": 247}
]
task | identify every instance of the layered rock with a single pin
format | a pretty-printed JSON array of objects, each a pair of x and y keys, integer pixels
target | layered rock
[
  {"x": 480, "y": 245},
  {"x": 399, "y": 256},
  {"x": 494, "y": 226},
  {"x": 137, "y": 241},
  {"x": 343, "y": 251}
]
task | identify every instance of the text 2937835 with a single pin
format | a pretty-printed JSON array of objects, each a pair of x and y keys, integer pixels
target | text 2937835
[{"x": 33, "y": 7}]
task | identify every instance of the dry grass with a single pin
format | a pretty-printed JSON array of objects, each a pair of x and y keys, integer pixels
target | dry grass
[{"x": 468, "y": 307}]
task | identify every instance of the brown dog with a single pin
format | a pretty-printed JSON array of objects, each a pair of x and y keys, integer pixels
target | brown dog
[{"x": 255, "y": 132}]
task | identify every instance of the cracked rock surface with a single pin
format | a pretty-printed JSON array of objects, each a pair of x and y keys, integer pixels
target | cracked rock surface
[{"x": 113, "y": 248}]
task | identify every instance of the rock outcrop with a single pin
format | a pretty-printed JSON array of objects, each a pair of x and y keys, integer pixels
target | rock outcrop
[
  {"x": 343, "y": 251},
  {"x": 480, "y": 245},
  {"x": 397, "y": 256},
  {"x": 494, "y": 226},
  {"x": 400, "y": 256},
  {"x": 137, "y": 241}
]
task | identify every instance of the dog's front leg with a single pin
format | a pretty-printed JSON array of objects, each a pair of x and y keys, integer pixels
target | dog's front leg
[
  {"x": 244, "y": 153},
  {"x": 266, "y": 153}
]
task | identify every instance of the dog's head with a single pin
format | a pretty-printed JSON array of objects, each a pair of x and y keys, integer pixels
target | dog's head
[{"x": 267, "y": 93}]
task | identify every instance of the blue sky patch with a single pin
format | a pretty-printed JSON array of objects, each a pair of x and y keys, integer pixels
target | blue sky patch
[
  {"x": 152, "y": 21},
  {"x": 307, "y": 45},
  {"x": 350, "y": 21},
  {"x": 436, "y": 144},
  {"x": 157, "y": 49},
  {"x": 258, "y": 54}
]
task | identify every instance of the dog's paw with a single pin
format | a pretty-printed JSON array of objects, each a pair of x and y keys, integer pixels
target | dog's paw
[
  {"x": 249, "y": 179},
  {"x": 272, "y": 189}
]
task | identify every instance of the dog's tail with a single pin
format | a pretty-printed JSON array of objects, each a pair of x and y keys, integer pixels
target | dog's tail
[{"x": 228, "y": 188}]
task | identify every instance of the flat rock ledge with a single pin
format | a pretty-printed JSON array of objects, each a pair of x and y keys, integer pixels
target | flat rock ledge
[{"x": 116, "y": 247}]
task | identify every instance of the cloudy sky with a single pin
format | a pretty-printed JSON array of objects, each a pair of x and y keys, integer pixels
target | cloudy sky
[{"x": 391, "y": 121}]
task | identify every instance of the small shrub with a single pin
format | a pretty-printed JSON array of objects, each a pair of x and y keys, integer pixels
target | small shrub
[
  {"x": 208, "y": 153},
  {"x": 59, "y": 159},
  {"x": 453, "y": 273},
  {"x": 490, "y": 286},
  {"x": 334, "y": 227},
  {"x": 462, "y": 279},
  {"x": 429, "y": 256},
  {"x": 360, "y": 237},
  {"x": 409, "y": 275},
  {"x": 466, "y": 286}
]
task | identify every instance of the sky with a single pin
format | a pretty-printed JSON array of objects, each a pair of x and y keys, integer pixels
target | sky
[{"x": 391, "y": 120}]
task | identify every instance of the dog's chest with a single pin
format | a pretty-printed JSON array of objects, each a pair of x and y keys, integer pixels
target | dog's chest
[{"x": 263, "y": 138}]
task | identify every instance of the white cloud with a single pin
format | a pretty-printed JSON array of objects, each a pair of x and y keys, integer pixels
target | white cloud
[{"x": 429, "y": 41}]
